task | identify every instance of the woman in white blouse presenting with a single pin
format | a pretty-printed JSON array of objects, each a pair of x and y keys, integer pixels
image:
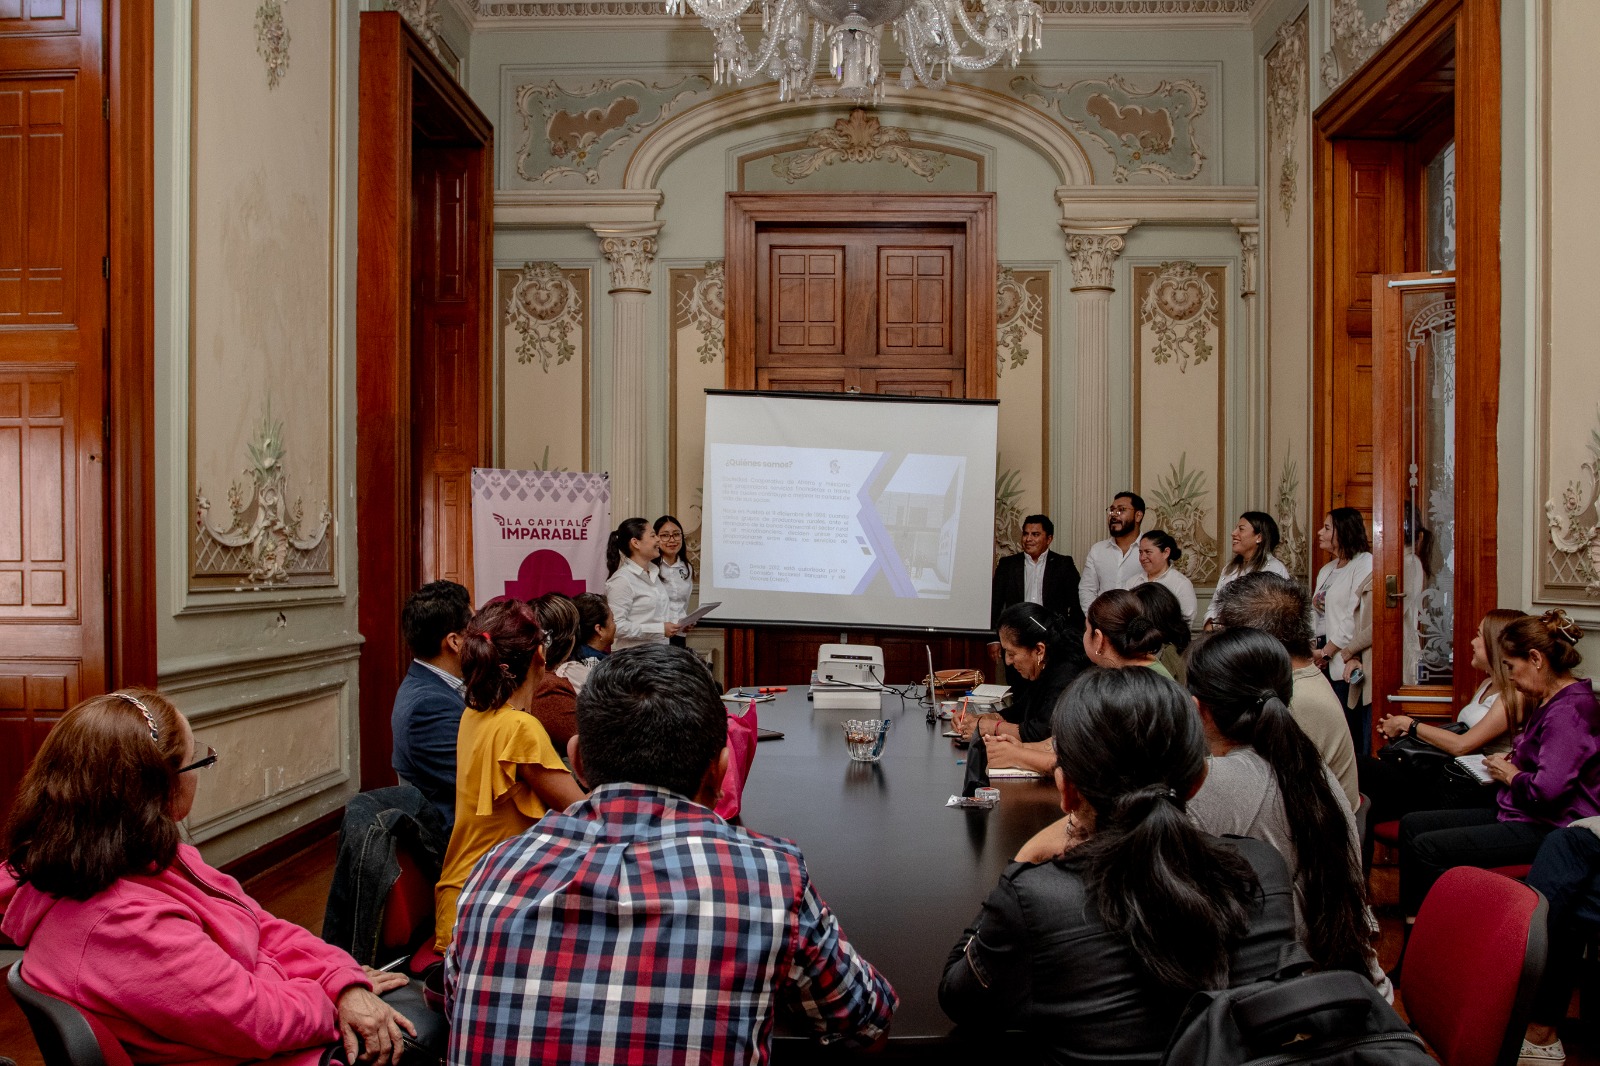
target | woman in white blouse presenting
[
  {"x": 1157, "y": 552},
  {"x": 1254, "y": 540},
  {"x": 638, "y": 597},
  {"x": 673, "y": 566},
  {"x": 1337, "y": 591}
]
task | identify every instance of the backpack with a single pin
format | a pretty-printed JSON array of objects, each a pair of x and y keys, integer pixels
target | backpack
[{"x": 1331, "y": 1018}]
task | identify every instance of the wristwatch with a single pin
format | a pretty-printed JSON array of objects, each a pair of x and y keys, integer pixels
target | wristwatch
[{"x": 1412, "y": 732}]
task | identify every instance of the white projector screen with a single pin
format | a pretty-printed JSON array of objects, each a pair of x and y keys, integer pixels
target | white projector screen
[{"x": 848, "y": 510}]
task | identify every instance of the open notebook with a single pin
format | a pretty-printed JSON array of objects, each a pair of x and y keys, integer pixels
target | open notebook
[{"x": 1473, "y": 764}]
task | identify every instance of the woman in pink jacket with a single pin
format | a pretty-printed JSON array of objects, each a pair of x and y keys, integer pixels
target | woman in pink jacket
[{"x": 119, "y": 917}]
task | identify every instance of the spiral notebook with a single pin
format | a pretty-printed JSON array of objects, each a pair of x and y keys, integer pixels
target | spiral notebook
[{"x": 1473, "y": 764}]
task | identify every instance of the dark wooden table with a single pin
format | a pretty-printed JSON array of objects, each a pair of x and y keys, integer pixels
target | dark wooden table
[{"x": 903, "y": 872}]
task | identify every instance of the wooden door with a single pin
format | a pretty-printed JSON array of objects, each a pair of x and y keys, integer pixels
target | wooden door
[
  {"x": 447, "y": 371},
  {"x": 423, "y": 312},
  {"x": 1368, "y": 228},
  {"x": 864, "y": 308},
  {"x": 53, "y": 249},
  {"x": 1415, "y": 425}
]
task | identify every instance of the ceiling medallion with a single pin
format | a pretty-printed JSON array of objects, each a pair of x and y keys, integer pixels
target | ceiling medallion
[{"x": 926, "y": 31}]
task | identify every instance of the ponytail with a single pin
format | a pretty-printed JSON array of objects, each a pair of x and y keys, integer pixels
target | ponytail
[
  {"x": 1130, "y": 743},
  {"x": 1244, "y": 679},
  {"x": 502, "y": 644},
  {"x": 618, "y": 545},
  {"x": 1121, "y": 616}
]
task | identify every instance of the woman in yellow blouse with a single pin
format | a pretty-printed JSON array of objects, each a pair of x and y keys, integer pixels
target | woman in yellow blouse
[{"x": 508, "y": 773}]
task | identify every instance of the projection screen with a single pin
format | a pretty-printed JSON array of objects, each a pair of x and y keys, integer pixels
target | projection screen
[{"x": 848, "y": 510}]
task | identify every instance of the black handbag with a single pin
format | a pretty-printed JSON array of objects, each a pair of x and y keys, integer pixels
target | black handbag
[{"x": 1432, "y": 779}]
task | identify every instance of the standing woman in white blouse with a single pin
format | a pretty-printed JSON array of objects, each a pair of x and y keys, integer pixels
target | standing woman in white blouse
[
  {"x": 1254, "y": 540},
  {"x": 637, "y": 595},
  {"x": 1337, "y": 592},
  {"x": 673, "y": 566},
  {"x": 1157, "y": 552}
]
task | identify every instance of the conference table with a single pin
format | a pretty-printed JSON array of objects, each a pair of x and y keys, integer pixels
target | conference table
[{"x": 904, "y": 873}]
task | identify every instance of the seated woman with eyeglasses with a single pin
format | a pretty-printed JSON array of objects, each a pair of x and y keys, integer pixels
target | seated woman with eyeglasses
[{"x": 120, "y": 918}]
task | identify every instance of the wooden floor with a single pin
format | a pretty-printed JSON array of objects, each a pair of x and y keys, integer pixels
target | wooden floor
[{"x": 298, "y": 889}]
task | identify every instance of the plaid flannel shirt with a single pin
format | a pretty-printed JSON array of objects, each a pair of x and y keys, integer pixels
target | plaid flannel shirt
[{"x": 639, "y": 927}]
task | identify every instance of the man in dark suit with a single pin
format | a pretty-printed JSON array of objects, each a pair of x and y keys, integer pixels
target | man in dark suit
[
  {"x": 1036, "y": 575},
  {"x": 428, "y": 705}
]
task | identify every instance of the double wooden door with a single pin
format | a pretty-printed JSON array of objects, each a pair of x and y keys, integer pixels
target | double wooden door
[
  {"x": 54, "y": 422},
  {"x": 869, "y": 309}
]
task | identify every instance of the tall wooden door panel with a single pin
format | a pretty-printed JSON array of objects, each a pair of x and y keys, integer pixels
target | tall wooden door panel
[
  {"x": 1369, "y": 230},
  {"x": 916, "y": 289},
  {"x": 446, "y": 248},
  {"x": 53, "y": 194}
]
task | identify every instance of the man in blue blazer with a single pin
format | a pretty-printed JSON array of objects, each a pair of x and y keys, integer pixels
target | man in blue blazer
[{"x": 428, "y": 706}]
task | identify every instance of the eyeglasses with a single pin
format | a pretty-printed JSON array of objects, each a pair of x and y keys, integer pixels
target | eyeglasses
[
  {"x": 664, "y": 535},
  {"x": 201, "y": 764}
]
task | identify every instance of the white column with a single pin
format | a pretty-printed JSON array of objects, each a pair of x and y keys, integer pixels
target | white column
[
  {"x": 630, "y": 253},
  {"x": 1252, "y": 413},
  {"x": 1093, "y": 248}
]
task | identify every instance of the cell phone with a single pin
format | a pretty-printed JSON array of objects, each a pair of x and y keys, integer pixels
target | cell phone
[{"x": 1357, "y": 676}]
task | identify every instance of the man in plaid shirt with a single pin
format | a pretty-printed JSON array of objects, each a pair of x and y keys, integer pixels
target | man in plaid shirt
[{"x": 637, "y": 926}]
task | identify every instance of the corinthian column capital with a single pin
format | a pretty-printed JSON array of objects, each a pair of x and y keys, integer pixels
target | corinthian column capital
[
  {"x": 1093, "y": 248},
  {"x": 630, "y": 253}
]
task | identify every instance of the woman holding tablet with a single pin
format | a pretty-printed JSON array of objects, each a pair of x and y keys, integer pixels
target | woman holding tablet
[{"x": 640, "y": 601}]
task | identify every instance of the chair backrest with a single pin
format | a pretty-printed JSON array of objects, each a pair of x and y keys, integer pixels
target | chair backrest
[
  {"x": 407, "y": 909},
  {"x": 1472, "y": 965},
  {"x": 66, "y": 1036}
]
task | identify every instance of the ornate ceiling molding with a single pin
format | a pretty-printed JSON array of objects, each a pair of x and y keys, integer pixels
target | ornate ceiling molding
[
  {"x": 965, "y": 102},
  {"x": 1355, "y": 39}
]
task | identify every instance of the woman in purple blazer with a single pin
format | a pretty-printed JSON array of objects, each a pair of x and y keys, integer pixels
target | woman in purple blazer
[{"x": 1550, "y": 777}]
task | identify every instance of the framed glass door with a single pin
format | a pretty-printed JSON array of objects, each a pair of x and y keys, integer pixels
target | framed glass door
[{"x": 1414, "y": 415}]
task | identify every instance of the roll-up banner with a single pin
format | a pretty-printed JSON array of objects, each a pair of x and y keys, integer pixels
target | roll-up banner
[{"x": 538, "y": 531}]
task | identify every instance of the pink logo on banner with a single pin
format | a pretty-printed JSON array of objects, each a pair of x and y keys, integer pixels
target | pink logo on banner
[{"x": 543, "y": 571}]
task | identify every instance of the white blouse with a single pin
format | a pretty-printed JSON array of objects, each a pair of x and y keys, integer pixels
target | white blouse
[
  {"x": 680, "y": 586},
  {"x": 1272, "y": 566},
  {"x": 1179, "y": 585},
  {"x": 639, "y": 603},
  {"x": 1338, "y": 585}
]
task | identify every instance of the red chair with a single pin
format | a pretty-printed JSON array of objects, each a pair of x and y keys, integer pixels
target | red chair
[
  {"x": 66, "y": 1035},
  {"x": 407, "y": 929},
  {"x": 1473, "y": 963}
]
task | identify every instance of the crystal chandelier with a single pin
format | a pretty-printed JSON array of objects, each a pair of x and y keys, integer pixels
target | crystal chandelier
[{"x": 794, "y": 31}]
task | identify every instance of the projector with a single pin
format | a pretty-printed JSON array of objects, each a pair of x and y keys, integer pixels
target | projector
[{"x": 849, "y": 677}]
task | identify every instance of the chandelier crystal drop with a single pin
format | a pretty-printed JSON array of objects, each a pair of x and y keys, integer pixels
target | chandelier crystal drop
[{"x": 793, "y": 33}]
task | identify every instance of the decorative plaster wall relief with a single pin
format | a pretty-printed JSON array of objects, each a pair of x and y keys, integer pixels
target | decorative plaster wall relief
[
  {"x": 1180, "y": 509},
  {"x": 545, "y": 309},
  {"x": 702, "y": 306},
  {"x": 1008, "y": 513},
  {"x": 502, "y": 10},
  {"x": 266, "y": 541},
  {"x": 272, "y": 40},
  {"x": 1180, "y": 307},
  {"x": 1146, "y": 132},
  {"x": 1574, "y": 518},
  {"x": 1355, "y": 39},
  {"x": 860, "y": 138},
  {"x": 1293, "y": 550},
  {"x": 543, "y": 333},
  {"x": 1288, "y": 91},
  {"x": 567, "y": 133},
  {"x": 1019, "y": 312},
  {"x": 422, "y": 17}
]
